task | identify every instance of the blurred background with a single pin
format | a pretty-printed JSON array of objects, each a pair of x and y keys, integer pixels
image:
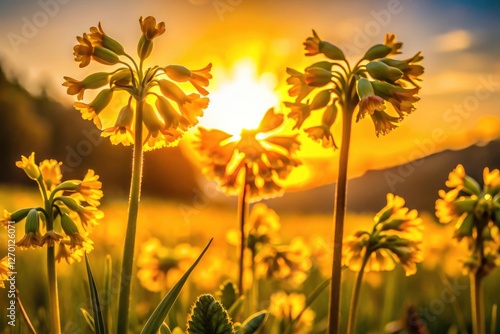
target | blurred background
[{"x": 250, "y": 43}]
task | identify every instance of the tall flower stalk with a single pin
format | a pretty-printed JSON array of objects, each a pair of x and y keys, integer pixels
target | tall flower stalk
[
  {"x": 136, "y": 99},
  {"x": 395, "y": 238},
  {"x": 374, "y": 83},
  {"x": 67, "y": 216},
  {"x": 476, "y": 212},
  {"x": 252, "y": 167}
]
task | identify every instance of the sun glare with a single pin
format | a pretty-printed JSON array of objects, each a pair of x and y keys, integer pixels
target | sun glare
[{"x": 239, "y": 98}]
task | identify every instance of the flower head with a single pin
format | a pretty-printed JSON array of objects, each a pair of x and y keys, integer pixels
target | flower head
[
  {"x": 166, "y": 110},
  {"x": 29, "y": 166},
  {"x": 259, "y": 160},
  {"x": 160, "y": 266},
  {"x": 72, "y": 205},
  {"x": 395, "y": 238},
  {"x": 384, "y": 88},
  {"x": 286, "y": 307},
  {"x": 475, "y": 210}
]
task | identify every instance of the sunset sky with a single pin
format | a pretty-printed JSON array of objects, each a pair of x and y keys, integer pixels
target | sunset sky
[{"x": 251, "y": 42}]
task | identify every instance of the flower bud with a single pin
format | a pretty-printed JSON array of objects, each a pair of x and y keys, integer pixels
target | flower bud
[
  {"x": 102, "y": 100},
  {"x": 32, "y": 222},
  {"x": 144, "y": 47},
  {"x": 178, "y": 73},
  {"x": 382, "y": 71},
  {"x": 121, "y": 77},
  {"x": 19, "y": 215},
  {"x": 364, "y": 88},
  {"x": 112, "y": 45},
  {"x": 330, "y": 114},
  {"x": 331, "y": 51},
  {"x": 105, "y": 56},
  {"x": 377, "y": 51},
  {"x": 69, "y": 202},
  {"x": 172, "y": 91},
  {"x": 150, "y": 119},
  {"x": 96, "y": 80},
  {"x": 29, "y": 166},
  {"x": 68, "y": 225},
  {"x": 317, "y": 77},
  {"x": 320, "y": 100}
]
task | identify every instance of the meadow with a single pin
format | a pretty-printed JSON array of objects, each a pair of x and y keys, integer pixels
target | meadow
[{"x": 438, "y": 291}]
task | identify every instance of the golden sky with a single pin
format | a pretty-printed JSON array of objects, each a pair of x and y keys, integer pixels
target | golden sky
[{"x": 250, "y": 44}]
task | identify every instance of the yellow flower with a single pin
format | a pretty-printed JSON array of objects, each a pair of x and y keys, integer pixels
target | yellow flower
[
  {"x": 89, "y": 189},
  {"x": 160, "y": 267},
  {"x": 99, "y": 38},
  {"x": 51, "y": 172},
  {"x": 121, "y": 132},
  {"x": 299, "y": 87},
  {"x": 30, "y": 240},
  {"x": 150, "y": 29},
  {"x": 396, "y": 237},
  {"x": 259, "y": 164},
  {"x": 83, "y": 51},
  {"x": 322, "y": 133},
  {"x": 311, "y": 45},
  {"x": 198, "y": 78},
  {"x": 289, "y": 263},
  {"x": 93, "y": 81},
  {"x": 89, "y": 216},
  {"x": 51, "y": 238},
  {"x": 390, "y": 41},
  {"x": 90, "y": 111},
  {"x": 29, "y": 166},
  {"x": 286, "y": 307},
  {"x": 4, "y": 271},
  {"x": 475, "y": 211}
]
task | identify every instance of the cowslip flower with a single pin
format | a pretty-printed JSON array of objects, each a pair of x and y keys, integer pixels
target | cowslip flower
[
  {"x": 166, "y": 110},
  {"x": 68, "y": 214},
  {"x": 160, "y": 267},
  {"x": 285, "y": 263},
  {"x": 379, "y": 86},
  {"x": 396, "y": 238},
  {"x": 259, "y": 160},
  {"x": 475, "y": 210}
]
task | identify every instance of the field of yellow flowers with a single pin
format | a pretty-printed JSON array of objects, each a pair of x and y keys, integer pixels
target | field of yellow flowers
[{"x": 168, "y": 245}]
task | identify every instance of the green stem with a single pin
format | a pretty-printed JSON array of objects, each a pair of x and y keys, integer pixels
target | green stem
[
  {"x": 55, "y": 321},
  {"x": 255, "y": 286},
  {"x": 242, "y": 211},
  {"x": 477, "y": 303},
  {"x": 128, "y": 250},
  {"x": 355, "y": 295},
  {"x": 339, "y": 214}
]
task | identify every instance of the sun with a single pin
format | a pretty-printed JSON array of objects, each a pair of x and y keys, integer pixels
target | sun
[{"x": 239, "y": 98}]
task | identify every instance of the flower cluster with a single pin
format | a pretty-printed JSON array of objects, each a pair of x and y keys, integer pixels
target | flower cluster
[
  {"x": 374, "y": 83},
  {"x": 68, "y": 215},
  {"x": 475, "y": 210},
  {"x": 4, "y": 271},
  {"x": 132, "y": 97},
  {"x": 396, "y": 237},
  {"x": 258, "y": 161},
  {"x": 160, "y": 267}
]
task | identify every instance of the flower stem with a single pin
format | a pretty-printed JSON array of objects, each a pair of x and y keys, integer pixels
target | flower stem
[
  {"x": 355, "y": 295},
  {"x": 339, "y": 214},
  {"x": 242, "y": 211},
  {"x": 55, "y": 320},
  {"x": 133, "y": 210},
  {"x": 477, "y": 303}
]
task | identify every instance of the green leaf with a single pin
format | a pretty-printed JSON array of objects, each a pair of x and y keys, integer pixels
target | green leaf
[
  {"x": 96, "y": 305},
  {"x": 88, "y": 318},
  {"x": 309, "y": 300},
  {"x": 208, "y": 316},
  {"x": 156, "y": 319},
  {"x": 227, "y": 294},
  {"x": 164, "y": 329},
  {"x": 236, "y": 307},
  {"x": 254, "y": 322},
  {"x": 108, "y": 272}
]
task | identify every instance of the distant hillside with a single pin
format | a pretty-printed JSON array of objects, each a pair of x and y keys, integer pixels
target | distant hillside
[
  {"x": 38, "y": 123},
  {"x": 418, "y": 182}
]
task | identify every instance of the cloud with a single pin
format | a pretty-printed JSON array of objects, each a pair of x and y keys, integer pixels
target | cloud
[{"x": 454, "y": 40}]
